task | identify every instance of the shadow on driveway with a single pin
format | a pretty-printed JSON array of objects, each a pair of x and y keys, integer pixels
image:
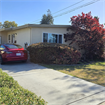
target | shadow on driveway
[{"x": 16, "y": 67}]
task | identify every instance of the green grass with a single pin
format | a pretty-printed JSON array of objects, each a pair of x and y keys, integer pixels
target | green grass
[
  {"x": 94, "y": 72},
  {"x": 11, "y": 93}
]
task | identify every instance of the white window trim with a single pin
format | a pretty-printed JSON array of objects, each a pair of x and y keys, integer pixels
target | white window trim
[{"x": 52, "y": 33}]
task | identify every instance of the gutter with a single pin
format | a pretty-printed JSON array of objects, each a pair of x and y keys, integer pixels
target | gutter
[{"x": 35, "y": 25}]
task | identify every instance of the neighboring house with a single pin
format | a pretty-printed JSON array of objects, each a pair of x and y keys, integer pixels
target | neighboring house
[{"x": 34, "y": 33}]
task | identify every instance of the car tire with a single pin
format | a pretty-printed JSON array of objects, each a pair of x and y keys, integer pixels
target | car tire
[{"x": 1, "y": 60}]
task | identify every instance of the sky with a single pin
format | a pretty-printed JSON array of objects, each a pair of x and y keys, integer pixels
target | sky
[{"x": 31, "y": 11}]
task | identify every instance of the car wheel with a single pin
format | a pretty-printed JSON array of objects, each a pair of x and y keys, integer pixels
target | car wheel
[{"x": 1, "y": 60}]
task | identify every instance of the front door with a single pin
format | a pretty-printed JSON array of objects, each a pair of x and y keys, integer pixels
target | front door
[
  {"x": 13, "y": 38},
  {"x": 9, "y": 38}
]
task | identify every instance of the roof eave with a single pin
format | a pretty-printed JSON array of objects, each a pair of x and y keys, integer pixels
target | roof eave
[{"x": 35, "y": 25}]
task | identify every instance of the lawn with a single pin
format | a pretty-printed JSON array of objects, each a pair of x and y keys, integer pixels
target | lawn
[
  {"x": 93, "y": 72},
  {"x": 11, "y": 93}
]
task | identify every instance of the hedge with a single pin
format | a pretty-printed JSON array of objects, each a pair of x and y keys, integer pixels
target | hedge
[
  {"x": 11, "y": 93},
  {"x": 53, "y": 53}
]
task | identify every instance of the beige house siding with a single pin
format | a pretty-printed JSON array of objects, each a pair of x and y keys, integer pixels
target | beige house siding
[
  {"x": 37, "y": 33},
  {"x": 23, "y": 36},
  {"x": 3, "y": 36}
]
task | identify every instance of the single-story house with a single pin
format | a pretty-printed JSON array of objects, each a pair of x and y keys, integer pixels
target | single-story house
[{"x": 34, "y": 33}]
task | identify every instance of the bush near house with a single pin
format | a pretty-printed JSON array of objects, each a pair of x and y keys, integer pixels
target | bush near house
[
  {"x": 53, "y": 53},
  {"x": 11, "y": 93}
]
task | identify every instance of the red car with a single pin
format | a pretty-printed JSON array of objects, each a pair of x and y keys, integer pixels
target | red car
[{"x": 12, "y": 52}]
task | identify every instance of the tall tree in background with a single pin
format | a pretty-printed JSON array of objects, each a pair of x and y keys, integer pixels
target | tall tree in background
[
  {"x": 0, "y": 25},
  {"x": 44, "y": 19},
  {"x": 47, "y": 19},
  {"x": 8, "y": 24},
  {"x": 91, "y": 35}
]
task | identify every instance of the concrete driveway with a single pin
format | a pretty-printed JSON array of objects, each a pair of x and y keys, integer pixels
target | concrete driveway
[{"x": 55, "y": 87}]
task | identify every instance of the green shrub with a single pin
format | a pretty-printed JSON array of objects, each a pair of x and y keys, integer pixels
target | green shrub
[
  {"x": 6, "y": 81},
  {"x": 51, "y": 53},
  {"x": 11, "y": 93}
]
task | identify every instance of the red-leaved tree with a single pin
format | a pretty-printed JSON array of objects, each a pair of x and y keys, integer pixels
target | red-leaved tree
[{"x": 90, "y": 32}]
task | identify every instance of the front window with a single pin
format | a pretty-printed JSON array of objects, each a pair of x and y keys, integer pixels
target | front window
[
  {"x": 45, "y": 37},
  {"x": 12, "y": 46},
  {"x": 52, "y": 38}
]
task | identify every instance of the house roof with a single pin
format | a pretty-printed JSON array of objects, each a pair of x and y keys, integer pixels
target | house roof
[{"x": 35, "y": 25}]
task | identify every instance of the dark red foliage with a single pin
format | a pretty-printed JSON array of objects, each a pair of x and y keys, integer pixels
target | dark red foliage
[
  {"x": 53, "y": 53},
  {"x": 90, "y": 32}
]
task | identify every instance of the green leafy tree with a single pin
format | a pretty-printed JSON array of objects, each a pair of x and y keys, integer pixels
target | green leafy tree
[
  {"x": 47, "y": 19},
  {"x": 8, "y": 24},
  {"x": 0, "y": 25},
  {"x": 44, "y": 19}
]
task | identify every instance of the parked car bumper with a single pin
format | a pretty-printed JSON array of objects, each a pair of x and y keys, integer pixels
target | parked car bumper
[{"x": 7, "y": 59}]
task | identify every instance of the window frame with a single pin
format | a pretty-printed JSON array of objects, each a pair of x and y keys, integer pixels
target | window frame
[
  {"x": 52, "y": 33},
  {"x": 43, "y": 37}
]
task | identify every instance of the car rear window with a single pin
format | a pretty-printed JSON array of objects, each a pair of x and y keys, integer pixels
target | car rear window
[{"x": 13, "y": 46}]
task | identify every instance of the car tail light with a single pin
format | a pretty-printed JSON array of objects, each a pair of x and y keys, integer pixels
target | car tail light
[{"x": 8, "y": 52}]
